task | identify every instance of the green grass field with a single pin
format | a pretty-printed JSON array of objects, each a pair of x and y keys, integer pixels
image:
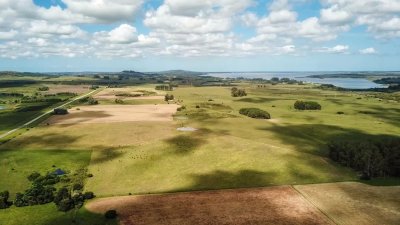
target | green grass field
[{"x": 228, "y": 150}]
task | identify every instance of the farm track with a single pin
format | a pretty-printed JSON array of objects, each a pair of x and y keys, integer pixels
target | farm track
[{"x": 44, "y": 114}]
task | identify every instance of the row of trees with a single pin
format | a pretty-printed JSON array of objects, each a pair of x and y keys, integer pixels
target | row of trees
[
  {"x": 374, "y": 158},
  {"x": 255, "y": 113},
  {"x": 164, "y": 87},
  {"x": 307, "y": 105},
  {"x": 235, "y": 92},
  {"x": 89, "y": 100}
]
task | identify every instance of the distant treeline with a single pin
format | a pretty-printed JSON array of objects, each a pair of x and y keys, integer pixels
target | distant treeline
[{"x": 374, "y": 158}]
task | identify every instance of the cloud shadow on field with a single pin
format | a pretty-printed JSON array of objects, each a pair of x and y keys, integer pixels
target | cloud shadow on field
[
  {"x": 77, "y": 117},
  {"x": 47, "y": 140},
  {"x": 220, "y": 179}
]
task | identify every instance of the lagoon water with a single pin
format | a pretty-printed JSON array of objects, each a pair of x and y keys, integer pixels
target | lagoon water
[{"x": 352, "y": 83}]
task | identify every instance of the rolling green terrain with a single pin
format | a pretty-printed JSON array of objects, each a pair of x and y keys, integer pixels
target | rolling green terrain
[{"x": 228, "y": 150}]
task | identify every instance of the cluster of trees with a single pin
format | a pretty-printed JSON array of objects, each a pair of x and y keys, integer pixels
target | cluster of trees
[
  {"x": 42, "y": 191},
  {"x": 43, "y": 88},
  {"x": 60, "y": 111},
  {"x": 307, "y": 105},
  {"x": 164, "y": 87},
  {"x": 235, "y": 92},
  {"x": 66, "y": 200},
  {"x": 12, "y": 94},
  {"x": 374, "y": 158},
  {"x": 255, "y": 113},
  {"x": 89, "y": 100},
  {"x": 128, "y": 95},
  {"x": 168, "y": 97}
]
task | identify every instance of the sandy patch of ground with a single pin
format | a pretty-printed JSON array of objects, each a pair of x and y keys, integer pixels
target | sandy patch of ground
[
  {"x": 355, "y": 203},
  {"x": 115, "y": 113},
  {"x": 79, "y": 89},
  {"x": 274, "y": 205},
  {"x": 110, "y": 93}
]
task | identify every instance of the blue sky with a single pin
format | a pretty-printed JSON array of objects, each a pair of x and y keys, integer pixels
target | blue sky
[{"x": 209, "y": 35}]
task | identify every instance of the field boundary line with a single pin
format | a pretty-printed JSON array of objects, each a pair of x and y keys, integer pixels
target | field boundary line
[
  {"x": 315, "y": 205},
  {"x": 44, "y": 114}
]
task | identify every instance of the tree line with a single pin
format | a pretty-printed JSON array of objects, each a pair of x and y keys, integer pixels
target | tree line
[{"x": 374, "y": 158}]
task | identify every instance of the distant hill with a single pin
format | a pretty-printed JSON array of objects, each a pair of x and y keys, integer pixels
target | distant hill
[{"x": 181, "y": 73}]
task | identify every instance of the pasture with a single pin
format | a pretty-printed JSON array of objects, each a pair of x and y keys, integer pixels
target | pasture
[{"x": 135, "y": 147}]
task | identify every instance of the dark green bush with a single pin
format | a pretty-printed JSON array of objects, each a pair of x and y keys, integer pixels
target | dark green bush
[
  {"x": 168, "y": 97},
  {"x": 307, "y": 105},
  {"x": 4, "y": 203},
  {"x": 44, "y": 88},
  {"x": 77, "y": 187},
  {"x": 89, "y": 195},
  {"x": 60, "y": 111},
  {"x": 111, "y": 214},
  {"x": 255, "y": 113}
]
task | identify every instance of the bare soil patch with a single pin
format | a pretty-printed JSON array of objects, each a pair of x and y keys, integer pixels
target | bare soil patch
[
  {"x": 111, "y": 93},
  {"x": 355, "y": 203},
  {"x": 274, "y": 205},
  {"x": 115, "y": 113},
  {"x": 79, "y": 89}
]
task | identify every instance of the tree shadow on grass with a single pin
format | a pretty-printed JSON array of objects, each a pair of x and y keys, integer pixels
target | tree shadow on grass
[
  {"x": 104, "y": 154},
  {"x": 258, "y": 100},
  {"x": 184, "y": 144}
]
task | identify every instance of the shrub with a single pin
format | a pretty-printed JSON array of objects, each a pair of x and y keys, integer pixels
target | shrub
[
  {"x": 44, "y": 88},
  {"x": 77, "y": 186},
  {"x": 89, "y": 195},
  {"x": 33, "y": 176},
  {"x": 89, "y": 100},
  {"x": 307, "y": 105},
  {"x": 60, "y": 111},
  {"x": 181, "y": 108},
  {"x": 168, "y": 97},
  {"x": 235, "y": 92},
  {"x": 255, "y": 113},
  {"x": 65, "y": 205},
  {"x": 340, "y": 113},
  {"x": 119, "y": 101},
  {"x": 111, "y": 214},
  {"x": 4, "y": 203}
]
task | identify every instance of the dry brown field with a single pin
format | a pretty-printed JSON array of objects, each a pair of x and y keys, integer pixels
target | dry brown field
[
  {"x": 354, "y": 203},
  {"x": 273, "y": 205},
  {"x": 115, "y": 113}
]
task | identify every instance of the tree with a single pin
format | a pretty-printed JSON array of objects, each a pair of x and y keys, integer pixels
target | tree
[
  {"x": 4, "y": 203},
  {"x": 111, "y": 214},
  {"x": 307, "y": 105},
  {"x": 255, "y": 113},
  {"x": 235, "y": 92},
  {"x": 168, "y": 97}
]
